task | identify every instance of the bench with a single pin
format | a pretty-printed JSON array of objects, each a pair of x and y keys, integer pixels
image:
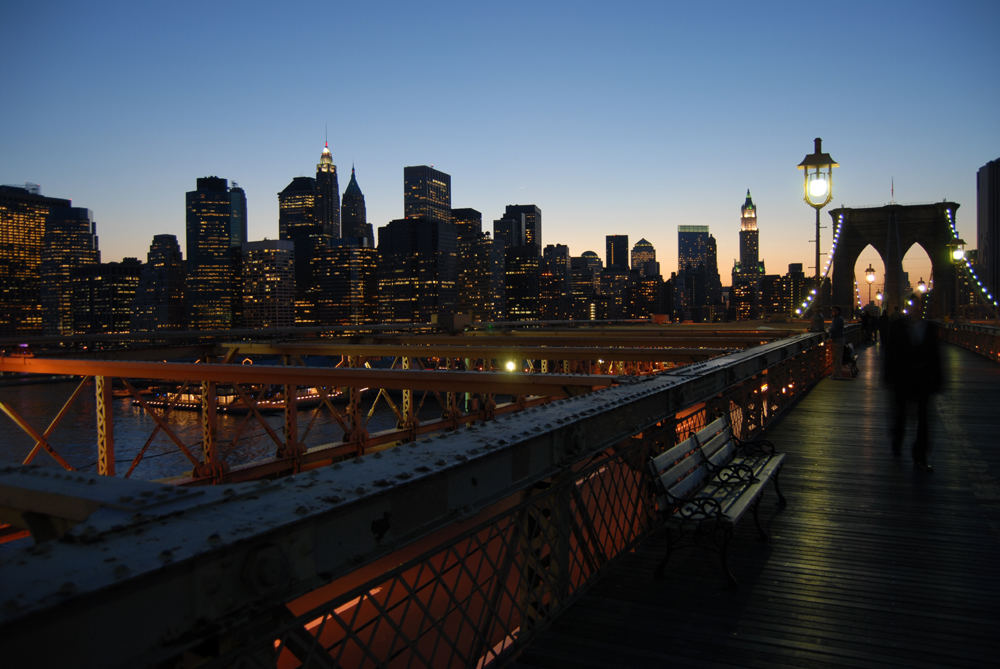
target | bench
[{"x": 707, "y": 482}]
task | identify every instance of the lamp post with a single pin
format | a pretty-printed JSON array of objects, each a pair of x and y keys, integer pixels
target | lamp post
[
  {"x": 870, "y": 278},
  {"x": 817, "y": 185},
  {"x": 956, "y": 250}
]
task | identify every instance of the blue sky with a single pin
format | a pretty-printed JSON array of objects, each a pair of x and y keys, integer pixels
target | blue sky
[{"x": 626, "y": 118}]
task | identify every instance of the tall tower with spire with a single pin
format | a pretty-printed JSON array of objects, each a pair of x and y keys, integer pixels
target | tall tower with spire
[
  {"x": 354, "y": 218},
  {"x": 327, "y": 194},
  {"x": 745, "y": 294}
]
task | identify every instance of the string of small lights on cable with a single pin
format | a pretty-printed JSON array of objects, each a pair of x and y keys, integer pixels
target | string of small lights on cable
[
  {"x": 857, "y": 294},
  {"x": 990, "y": 299},
  {"x": 811, "y": 297}
]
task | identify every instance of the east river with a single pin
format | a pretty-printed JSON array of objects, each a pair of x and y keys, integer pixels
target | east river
[{"x": 75, "y": 438}]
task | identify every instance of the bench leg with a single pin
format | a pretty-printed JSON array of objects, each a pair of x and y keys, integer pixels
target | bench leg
[
  {"x": 756, "y": 519},
  {"x": 727, "y": 535},
  {"x": 777, "y": 488},
  {"x": 666, "y": 556}
]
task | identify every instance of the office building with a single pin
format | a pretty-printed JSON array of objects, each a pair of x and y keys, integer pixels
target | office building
[
  {"x": 69, "y": 242},
  {"x": 644, "y": 259},
  {"x": 616, "y": 256},
  {"x": 355, "y": 228},
  {"x": 417, "y": 269},
  {"x": 268, "y": 278},
  {"x": 746, "y": 298},
  {"x": 474, "y": 268},
  {"x": 23, "y": 213},
  {"x": 345, "y": 291},
  {"x": 213, "y": 255},
  {"x": 554, "y": 287},
  {"x": 159, "y": 300},
  {"x": 327, "y": 202},
  {"x": 518, "y": 257},
  {"x": 699, "y": 285},
  {"x": 988, "y": 225},
  {"x": 104, "y": 296},
  {"x": 426, "y": 192}
]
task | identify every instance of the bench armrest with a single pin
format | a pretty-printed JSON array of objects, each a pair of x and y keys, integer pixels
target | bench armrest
[
  {"x": 737, "y": 473},
  {"x": 755, "y": 446}
]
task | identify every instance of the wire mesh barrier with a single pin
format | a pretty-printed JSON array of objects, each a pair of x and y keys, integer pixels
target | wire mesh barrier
[
  {"x": 981, "y": 339},
  {"x": 448, "y": 552}
]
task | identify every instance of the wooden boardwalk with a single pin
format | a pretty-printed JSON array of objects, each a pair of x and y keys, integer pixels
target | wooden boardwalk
[{"x": 872, "y": 564}]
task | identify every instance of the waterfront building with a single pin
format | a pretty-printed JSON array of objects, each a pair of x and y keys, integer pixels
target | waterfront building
[
  {"x": 104, "y": 296},
  {"x": 70, "y": 241},
  {"x": 159, "y": 300},
  {"x": 417, "y": 269},
  {"x": 327, "y": 194},
  {"x": 355, "y": 228},
  {"x": 23, "y": 213},
  {"x": 268, "y": 284},
  {"x": 213, "y": 254},
  {"x": 426, "y": 192}
]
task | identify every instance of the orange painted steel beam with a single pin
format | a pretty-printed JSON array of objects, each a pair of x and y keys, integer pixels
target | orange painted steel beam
[
  {"x": 473, "y": 382},
  {"x": 477, "y": 350}
]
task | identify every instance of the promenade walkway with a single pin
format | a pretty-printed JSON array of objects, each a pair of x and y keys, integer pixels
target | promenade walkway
[{"x": 872, "y": 564}]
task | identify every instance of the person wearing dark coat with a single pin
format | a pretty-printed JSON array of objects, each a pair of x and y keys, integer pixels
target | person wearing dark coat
[{"x": 912, "y": 363}]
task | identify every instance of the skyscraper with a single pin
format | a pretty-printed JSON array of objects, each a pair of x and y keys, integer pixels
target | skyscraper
[
  {"x": 159, "y": 300},
  {"x": 530, "y": 217},
  {"x": 327, "y": 200},
  {"x": 417, "y": 270},
  {"x": 70, "y": 241},
  {"x": 554, "y": 287},
  {"x": 268, "y": 284},
  {"x": 474, "y": 270},
  {"x": 699, "y": 286},
  {"x": 345, "y": 288},
  {"x": 988, "y": 224},
  {"x": 517, "y": 253},
  {"x": 23, "y": 213},
  {"x": 616, "y": 256},
  {"x": 644, "y": 259},
  {"x": 426, "y": 192},
  {"x": 104, "y": 296},
  {"x": 354, "y": 217},
  {"x": 746, "y": 297},
  {"x": 213, "y": 255}
]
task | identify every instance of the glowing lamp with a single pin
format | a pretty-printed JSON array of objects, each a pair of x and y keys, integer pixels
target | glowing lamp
[
  {"x": 921, "y": 286},
  {"x": 817, "y": 170}
]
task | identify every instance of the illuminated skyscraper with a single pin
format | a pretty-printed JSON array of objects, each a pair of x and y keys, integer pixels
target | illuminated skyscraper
[
  {"x": 516, "y": 239},
  {"x": 644, "y": 259},
  {"x": 70, "y": 241},
  {"x": 159, "y": 300},
  {"x": 213, "y": 255},
  {"x": 554, "y": 288},
  {"x": 355, "y": 227},
  {"x": 268, "y": 284},
  {"x": 474, "y": 271},
  {"x": 23, "y": 212},
  {"x": 345, "y": 291},
  {"x": 746, "y": 297},
  {"x": 988, "y": 225},
  {"x": 417, "y": 270},
  {"x": 616, "y": 257},
  {"x": 698, "y": 272},
  {"x": 426, "y": 192},
  {"x": 327, "y": 200},
  {"x": 104, "y": 296}
]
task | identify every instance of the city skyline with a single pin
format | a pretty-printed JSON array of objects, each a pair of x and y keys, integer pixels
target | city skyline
[{"x": 632, "y": 124}]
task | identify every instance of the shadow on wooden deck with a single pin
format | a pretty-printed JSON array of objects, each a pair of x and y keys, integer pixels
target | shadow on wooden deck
[{"x": 872, "y": 564}]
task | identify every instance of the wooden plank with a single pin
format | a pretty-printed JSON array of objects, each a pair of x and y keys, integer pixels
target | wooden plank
[{"x": 872, "y": 564}]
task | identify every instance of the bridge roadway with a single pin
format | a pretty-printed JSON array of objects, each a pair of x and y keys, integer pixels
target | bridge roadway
[{"x": 872, "y": 564}]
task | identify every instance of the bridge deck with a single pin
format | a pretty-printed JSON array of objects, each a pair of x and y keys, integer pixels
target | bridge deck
[{"x": 872, "y": 564}]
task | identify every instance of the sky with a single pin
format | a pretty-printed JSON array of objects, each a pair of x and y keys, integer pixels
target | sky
[{"x": 614, "y": 118}]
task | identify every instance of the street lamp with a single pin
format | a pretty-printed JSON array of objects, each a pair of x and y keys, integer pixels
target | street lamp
[
  {"x": 817, "y": 184},
  {"x": 921, "y": 286},
  {"x": 870, "y": 278},
  {"x": 956, "y": 250}
]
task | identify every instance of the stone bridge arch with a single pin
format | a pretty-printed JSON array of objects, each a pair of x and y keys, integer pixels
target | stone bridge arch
[{"x": 892, "y": 230}]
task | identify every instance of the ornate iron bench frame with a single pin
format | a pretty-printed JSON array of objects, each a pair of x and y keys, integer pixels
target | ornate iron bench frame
[{"x": 707, "y": 482}]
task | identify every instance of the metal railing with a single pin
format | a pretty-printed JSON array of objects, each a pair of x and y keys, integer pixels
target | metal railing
[
  {"x": 450, "y": 551},
  {"x": 978, "y": 338}
]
